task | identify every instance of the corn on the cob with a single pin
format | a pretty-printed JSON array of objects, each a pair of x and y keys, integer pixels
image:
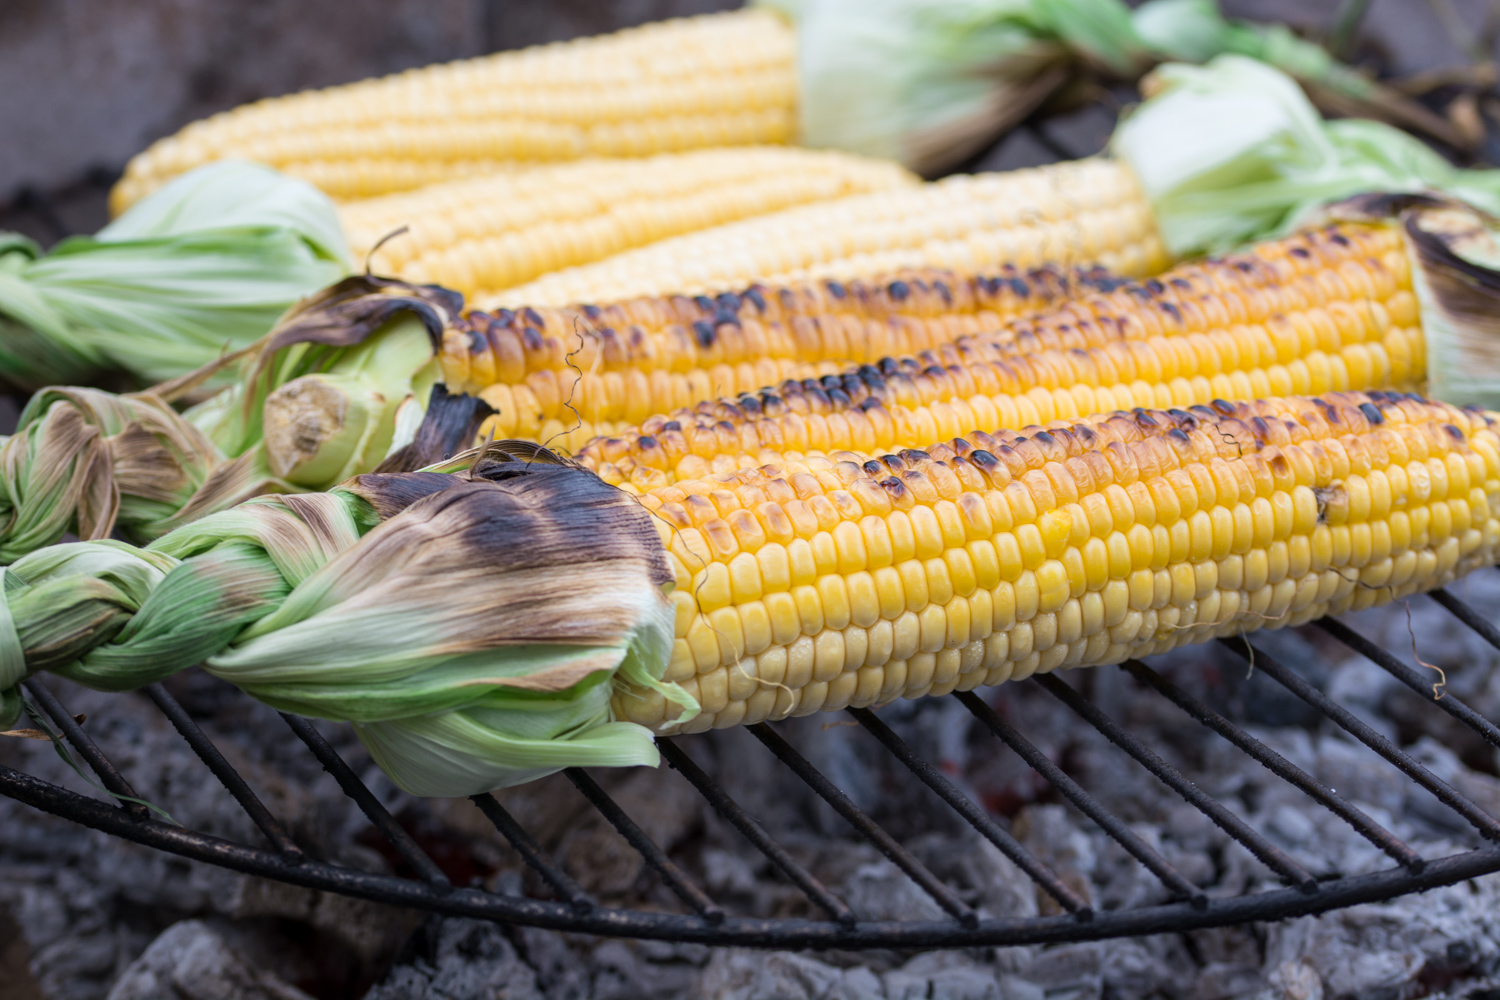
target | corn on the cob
[
  {"x": 570, "y": 374},
  {"x": 716, "y": 80},
  {"x": 806, "y": 587},
  {"x": 1085, "y": 212},
  {"x": 483, "y": 235},
  {"x": 1325, "y": 310}
]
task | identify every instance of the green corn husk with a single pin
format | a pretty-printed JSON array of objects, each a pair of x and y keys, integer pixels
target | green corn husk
[
  {"x": 471, "y": 627},
  {"x": 932, "y": 84},
  {"x": 1234, "y": 151},
  {"x": 92, "y": 462},
  {"x": 201, "y": 268},
  {"x": 1195, "y": 31}
]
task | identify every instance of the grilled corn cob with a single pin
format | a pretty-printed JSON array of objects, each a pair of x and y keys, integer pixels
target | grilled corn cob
[
  {"x": 1328, "y": 309},
  {"x": 805, "y": 587},
  {"x": 482, "y": 235},
  {"x": 716, "y": 80},
  {"x": 402, "y": 603},
  {"x": 569, "y": 374},
  {"x": 1084, "y": 212}
]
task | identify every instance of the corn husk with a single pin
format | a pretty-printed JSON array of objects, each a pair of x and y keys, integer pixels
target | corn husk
[
  {"x": 932, "y": 84},
  {"x": 201, "y": 268},
  {"x": 1233, "y": 151},
  {"x": 1195, "y": 31},
  {"x": 472, "y": 627},
  {"x": 93, "y": 462},
  {"x": 1455, "y": 256}
]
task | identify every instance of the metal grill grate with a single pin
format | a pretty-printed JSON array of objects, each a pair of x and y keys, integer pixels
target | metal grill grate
[{"x": 703, "y": 920}]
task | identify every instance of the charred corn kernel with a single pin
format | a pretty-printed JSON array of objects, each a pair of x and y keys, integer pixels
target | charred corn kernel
[
  {"x": 485, "y": 234},
  {"x": 1123, "y": 348},
  {"x": 716, "y": 80},
  {"x": 624, "y": 361},
  {"x": 936, "y": 619},
  {"x": 968, "y": 223}
]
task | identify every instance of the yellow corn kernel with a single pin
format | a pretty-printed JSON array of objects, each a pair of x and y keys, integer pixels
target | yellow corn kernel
[
  {"x": 715, "y": 80},
  {"x": 912, "y": 227},
  {"x": 940, "y": 619},
  {"x": 1114, "y": 344}
]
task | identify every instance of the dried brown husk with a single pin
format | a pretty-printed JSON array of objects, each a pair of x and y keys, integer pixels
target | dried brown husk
[
  {"x": 1455, "y": 256},
  {"x": 91, "y": 462}
]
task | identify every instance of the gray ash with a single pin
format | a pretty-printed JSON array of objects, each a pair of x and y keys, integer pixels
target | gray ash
[{"x": 105, "y": 919}]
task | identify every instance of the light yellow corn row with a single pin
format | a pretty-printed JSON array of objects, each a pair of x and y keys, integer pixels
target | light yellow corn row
[
  {"x": 715, "y": 80},
  {"x": 1325, "y": 310},
  {"x": 1083, "y": 212},
  {"x": 482, "y": 235},
  {"x": 807, "y": 587}
]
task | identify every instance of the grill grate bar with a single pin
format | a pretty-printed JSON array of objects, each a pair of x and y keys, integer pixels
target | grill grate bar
[
  {"x": 1466, "y": 614},
  {"x": 976, "y": 816},
  {"x": 376, "y": 813},
  {"x": 221, "y": 768},
  {"x": 531, "y": 852},
  {"x": 675, "y": 878},
  {"x": 752, "y": 831},
  {"x": 1268, "y": 853},
  {"x": 1280, "y": 766},
  {"x": 1446, "y": 793},
  {"x": 1114, "y": 826},
  {"x": 872, "y": 831},
  {"x": 113, "y": 780},
  {"x": 1386, "y": 660}
]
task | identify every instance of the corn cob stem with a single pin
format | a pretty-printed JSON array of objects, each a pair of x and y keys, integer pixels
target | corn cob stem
[{"x": 812, "y": 586}]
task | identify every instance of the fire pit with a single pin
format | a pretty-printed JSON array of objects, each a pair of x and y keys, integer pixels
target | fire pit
[{"x": 1186, "y": 906}]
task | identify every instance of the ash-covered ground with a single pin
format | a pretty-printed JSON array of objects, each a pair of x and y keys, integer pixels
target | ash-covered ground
[{"x": 100, "y": 918}]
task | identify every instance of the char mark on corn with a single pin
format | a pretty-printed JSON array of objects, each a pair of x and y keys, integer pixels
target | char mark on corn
[
  {"x": 1327, "y": 310},
  {"x": 606, "y": 367},
  {"x": 855, "y": 580}
]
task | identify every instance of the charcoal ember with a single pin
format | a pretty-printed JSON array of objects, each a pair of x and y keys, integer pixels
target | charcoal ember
[
  {"x": 730, "y": 873},
  {"x": 88, "y": 905},
  {"x": 1227, "y": 980},
  {"x": 1050, "y": 834},
  {"x": 942, "y": 974},
  {"x": 667, "y": 811},
  {"x": 192, "y": 961},
  {"x": 367, "y": 932},
  {"x": 1068, "y": 968},
  {"x": 881, "y": 891},
  {"x": 734, "y": 974},
  {"x": 463, "y": 960},
  {"x": 1119, "y": 880},
  {"x": 1297, "y": 979},
  {"x": 983, "y": 877},
  {"x": 1139, "y": 968}
]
